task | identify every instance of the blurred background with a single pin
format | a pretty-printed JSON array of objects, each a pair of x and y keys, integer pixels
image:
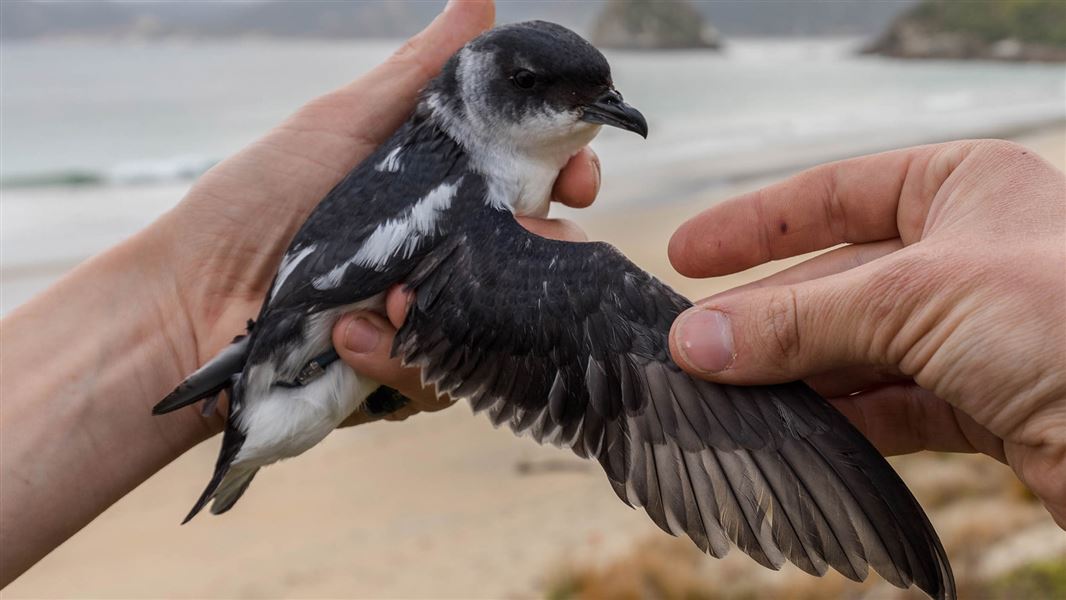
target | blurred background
[{"x": 109, "y": 111}]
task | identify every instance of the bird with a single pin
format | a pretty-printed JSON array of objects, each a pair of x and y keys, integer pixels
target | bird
[{"x": 564, "y": 342}]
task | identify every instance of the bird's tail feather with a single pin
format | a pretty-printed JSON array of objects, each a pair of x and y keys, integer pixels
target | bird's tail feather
[
  {"x": 228, "y": 481},
  {"x": 209, "y": 379},
  {"x": 232, "y": 488}
]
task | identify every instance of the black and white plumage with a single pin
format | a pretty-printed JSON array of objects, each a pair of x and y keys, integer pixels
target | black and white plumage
[{"x": 566, "y": 342}]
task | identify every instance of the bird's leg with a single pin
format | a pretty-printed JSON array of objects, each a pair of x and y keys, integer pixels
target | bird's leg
[
  {"x": 383, "y": 401},
  {"x": 209, "y": 406}
]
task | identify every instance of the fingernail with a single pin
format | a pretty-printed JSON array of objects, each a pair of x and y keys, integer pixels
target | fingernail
[
  {"x": 361, "y": 336},
  {"x": 594, "y": 162},
  {"x": 705, "y": 340}
]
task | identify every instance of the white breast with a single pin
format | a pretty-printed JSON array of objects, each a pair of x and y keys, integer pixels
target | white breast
[
  {"x": 280, "y": 422},
  {"x": 519, "y": 159},
  {"x": 521, "y": 180},
  {"x": 286, "y": 422}
]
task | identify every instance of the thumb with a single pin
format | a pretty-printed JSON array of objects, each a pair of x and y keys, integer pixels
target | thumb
[
  {"x": 374, "y": 105},
  {"x": 781, "y": 333},
  {"x": 460, "y": 21},
  {"x": 364, "y": 341}
]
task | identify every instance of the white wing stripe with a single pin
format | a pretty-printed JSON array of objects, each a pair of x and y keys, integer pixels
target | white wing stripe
[
  {"x": 391, "y": 162},
  {"x": 396, "y": 237},
  {"x": 288, "y": 265}
]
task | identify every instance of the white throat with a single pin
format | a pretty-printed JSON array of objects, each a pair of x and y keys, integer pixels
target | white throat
[
  {"x": 520, "y": 161},
  {"x": 522, "y": 181}
]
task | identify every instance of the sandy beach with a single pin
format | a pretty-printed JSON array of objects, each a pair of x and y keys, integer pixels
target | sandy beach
[{"x": 443, "y": 505}]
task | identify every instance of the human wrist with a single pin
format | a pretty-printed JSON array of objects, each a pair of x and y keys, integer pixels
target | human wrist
[
  {"x": 91, "y": 356},
  {"x": 117, "y": 320}
]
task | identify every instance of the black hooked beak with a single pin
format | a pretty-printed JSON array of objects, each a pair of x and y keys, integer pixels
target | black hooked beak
[{"x": 609, "y": 109}]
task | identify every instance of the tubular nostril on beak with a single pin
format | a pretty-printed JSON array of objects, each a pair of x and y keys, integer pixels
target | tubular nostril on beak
[
  {"x": 612, "y": 97},
  {"x": 610, "y": 109}
]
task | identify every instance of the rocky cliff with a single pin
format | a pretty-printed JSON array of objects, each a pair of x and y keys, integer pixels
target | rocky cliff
[
  {"x": 653, "y": 24},
  {"x": 1024, "y": 30}
]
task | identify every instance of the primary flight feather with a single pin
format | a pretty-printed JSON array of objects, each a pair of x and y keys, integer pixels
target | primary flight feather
[{"x": 566, "y": 342}]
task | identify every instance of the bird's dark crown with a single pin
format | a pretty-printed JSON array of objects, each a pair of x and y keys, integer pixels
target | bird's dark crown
[
  {"x": 567, "y": 69},
  {"x": 530, "y": 65}
]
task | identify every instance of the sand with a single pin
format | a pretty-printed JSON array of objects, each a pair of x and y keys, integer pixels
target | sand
[{"x": 439, "y": 506}]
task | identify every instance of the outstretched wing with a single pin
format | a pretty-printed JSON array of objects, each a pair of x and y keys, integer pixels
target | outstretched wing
[{"x": 568, "y": 342}]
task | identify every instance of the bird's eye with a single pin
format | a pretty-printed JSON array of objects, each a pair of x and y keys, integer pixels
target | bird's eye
[{"x": 524, "y": 79}]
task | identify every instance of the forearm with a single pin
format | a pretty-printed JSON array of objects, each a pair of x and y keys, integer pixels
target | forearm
[{"x": 81, "y": 365}]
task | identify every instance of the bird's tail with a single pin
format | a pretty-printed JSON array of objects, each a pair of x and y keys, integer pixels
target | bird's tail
[
  {"x": 229, "y": 481},
  {"x": 208, "y": 380},
  {"x": 220, "y": 373}
]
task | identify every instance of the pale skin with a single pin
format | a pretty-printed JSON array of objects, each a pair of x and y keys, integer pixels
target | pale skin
[{"x": 96, "y": 350}]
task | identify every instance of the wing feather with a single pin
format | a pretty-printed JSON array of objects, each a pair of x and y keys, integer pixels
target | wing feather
[{"x": 568, "y": 343}]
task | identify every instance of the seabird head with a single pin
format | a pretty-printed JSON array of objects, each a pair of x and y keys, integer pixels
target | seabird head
[{"x": 532, "y": 88}]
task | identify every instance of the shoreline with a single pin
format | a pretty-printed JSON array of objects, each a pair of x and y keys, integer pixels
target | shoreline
[
  {"x": 842, "y": 151},
  {"x": 695, "y": 175},
  {"x": 787, "y": 160}
]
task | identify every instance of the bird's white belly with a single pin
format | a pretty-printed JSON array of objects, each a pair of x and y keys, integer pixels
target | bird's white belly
[
  {"x": 289, "y": 421},
  {"x": 282, "y": 422}
]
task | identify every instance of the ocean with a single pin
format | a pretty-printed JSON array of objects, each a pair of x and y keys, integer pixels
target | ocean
[{"x": 97, "y": 139}]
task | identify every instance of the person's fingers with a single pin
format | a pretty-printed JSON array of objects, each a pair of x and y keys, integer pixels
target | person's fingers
[
  {"x": 370, "y": 108},
  {"x": 403, "y": 413},
  {"x": 579, "y": 181},
  {"x": 556, "y": 229},
  {"x": 422, "y": 405},
  {"x": 849, "y": 380},
  {"x": 782, "y": 333},
  {"x": 823, "y": 265},
  {"x": 359, "y": 417},
  {"x": 855, "y": 200},
  {"x": 364, "y": 341},
  {"x": 396, "y": 303},
  {"x": 412, "y": 408},
  {"x": 901, "y": 419}
]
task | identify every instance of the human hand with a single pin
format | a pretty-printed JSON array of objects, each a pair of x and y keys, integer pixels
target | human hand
[
  {"x": 226, "y": 238},
  {"x": 941, "y": 325}
]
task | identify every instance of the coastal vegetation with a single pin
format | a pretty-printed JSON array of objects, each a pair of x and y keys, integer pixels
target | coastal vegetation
[
  {"x": 1032, "y": 30},
  {"x": 1001, "y": 544}
]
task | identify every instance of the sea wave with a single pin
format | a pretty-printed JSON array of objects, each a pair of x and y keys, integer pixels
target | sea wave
[{"x": 165, "y": 170}]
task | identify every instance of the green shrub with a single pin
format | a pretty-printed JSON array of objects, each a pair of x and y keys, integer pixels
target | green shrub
[
  {"x": 1036, "y": 21},
  {"x": 1034, "y": 581}
]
